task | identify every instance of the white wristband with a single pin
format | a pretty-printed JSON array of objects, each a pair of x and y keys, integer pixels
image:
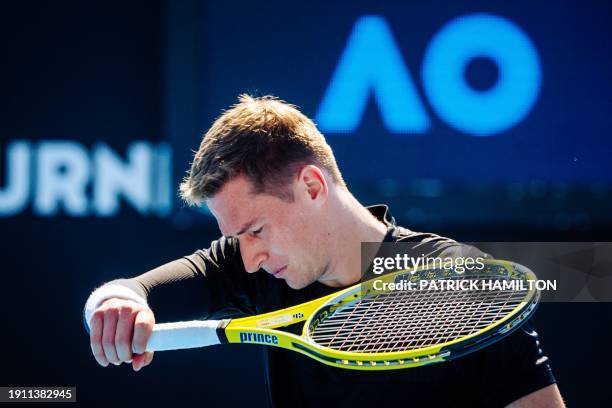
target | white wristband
[{"x": 107, "y": 292}]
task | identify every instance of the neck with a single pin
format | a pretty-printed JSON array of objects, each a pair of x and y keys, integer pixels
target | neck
[{"x": 351, "y": 225}]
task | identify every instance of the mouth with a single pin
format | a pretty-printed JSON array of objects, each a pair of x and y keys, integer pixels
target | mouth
[{"x": 279, "y": 272}]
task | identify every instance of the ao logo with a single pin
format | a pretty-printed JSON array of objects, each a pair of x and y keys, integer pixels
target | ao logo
[{"x": 372, "y": 63}]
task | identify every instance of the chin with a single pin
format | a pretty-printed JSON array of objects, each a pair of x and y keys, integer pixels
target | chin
[
  {"x": 296, "y": 285},
  {"x": 293, "y": 285}
]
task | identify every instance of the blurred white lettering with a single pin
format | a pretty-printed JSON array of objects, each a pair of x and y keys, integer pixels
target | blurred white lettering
[
  {"x": 14, "y": 196},
  {"x": 63, "y": 172},
  {"x": 64, "y": 177}
]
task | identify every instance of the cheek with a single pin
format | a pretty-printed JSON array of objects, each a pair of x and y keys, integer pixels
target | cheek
[
  {"x": 279, "y": 243},
  {"x": 313, "y": 242},
  {"x": 298, "y": 237}
]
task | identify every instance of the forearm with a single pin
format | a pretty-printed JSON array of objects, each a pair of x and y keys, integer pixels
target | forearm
[
  {"x": 174, "y": 290},
  {"x": 121, "y": 315}
]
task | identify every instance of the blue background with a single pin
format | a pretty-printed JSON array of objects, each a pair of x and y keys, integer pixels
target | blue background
[{"x": 162, "y": 71}]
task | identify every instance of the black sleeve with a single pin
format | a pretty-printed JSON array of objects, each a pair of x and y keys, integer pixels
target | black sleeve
[
  {"x": 210, "y": 283},
  {"x": 515, "y": 367},
  {"x": 426, "y": 244}
]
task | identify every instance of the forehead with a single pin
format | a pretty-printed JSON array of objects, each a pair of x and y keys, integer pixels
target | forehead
[{"x": 235, "y": 205}]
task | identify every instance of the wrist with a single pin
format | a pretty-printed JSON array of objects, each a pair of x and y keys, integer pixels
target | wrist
[{"x": 106, "y": 292}]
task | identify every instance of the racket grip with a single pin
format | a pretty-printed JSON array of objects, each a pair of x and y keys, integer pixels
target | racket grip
[{"x": 183, "y": 335}]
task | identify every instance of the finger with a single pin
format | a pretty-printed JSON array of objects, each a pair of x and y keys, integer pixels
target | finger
[
  {"x": 142, "y": 360},
  {"x": 123, "y": 335},
  {"x": 143, "y": 326},
  {"x": 108, "y": 336},
  {"x": 138, "y": 361},
  {"x": 95, "y": 338},
  {"x": 148, "y": 358}
]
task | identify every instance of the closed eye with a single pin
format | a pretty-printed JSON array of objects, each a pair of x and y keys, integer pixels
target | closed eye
[{"x": 257, "y": 231}]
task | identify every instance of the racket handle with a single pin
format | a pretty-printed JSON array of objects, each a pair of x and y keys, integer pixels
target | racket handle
[{"x": 184, "y": 335}]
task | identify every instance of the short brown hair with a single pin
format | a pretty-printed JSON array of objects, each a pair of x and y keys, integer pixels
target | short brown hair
[{"x": 264, "y": 138}]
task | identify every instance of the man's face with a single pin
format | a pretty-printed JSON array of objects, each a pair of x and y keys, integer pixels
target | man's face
[{"x": 281, "y": 237}]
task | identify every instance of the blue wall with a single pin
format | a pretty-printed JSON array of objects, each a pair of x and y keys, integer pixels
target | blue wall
[{"x": 97, "y": 94}]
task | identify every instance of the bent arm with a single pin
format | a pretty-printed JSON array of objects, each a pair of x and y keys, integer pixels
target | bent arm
[
  {"x": 207, "y": 283},
  {"x": 178, "y": 286},
  {"x": 119, "y": 315}
]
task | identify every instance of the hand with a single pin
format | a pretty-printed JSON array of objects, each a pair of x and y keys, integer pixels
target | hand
[{"x": 120, "y": 330}]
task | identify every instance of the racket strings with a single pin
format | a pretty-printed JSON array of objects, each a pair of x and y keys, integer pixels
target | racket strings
[
  {"x": 411, "y": 319},
  {"x": 394, "y": 338},
  {"x": 359, "y": 337},
  {"x": 423, "y": 333},
  {"x": 398, "y": 304}
]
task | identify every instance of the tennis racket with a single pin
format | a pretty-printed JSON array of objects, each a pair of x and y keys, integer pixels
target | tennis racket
[{"x": 366, "y": 328}]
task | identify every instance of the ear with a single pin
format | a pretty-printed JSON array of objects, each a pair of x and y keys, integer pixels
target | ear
[{"x": 311, "y": 180}]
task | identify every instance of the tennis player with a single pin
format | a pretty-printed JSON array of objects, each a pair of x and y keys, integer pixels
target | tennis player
[{"x": 291, "y": 232}]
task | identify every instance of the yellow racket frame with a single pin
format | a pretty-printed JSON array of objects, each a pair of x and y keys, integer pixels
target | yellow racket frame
[{"x": 260, "y": 329}]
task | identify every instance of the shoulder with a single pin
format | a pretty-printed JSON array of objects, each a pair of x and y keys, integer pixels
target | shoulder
[{"x": 430, "y": 244}]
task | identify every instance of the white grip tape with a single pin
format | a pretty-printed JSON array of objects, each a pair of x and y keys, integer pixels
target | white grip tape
[{"x": 183, "y": 335}]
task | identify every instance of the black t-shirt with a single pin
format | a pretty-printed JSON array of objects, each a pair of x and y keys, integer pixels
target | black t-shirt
[{"x": 213, "y": 283}]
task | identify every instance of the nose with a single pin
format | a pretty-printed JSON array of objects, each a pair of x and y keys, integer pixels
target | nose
[{"x": 253, "y": 255}]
